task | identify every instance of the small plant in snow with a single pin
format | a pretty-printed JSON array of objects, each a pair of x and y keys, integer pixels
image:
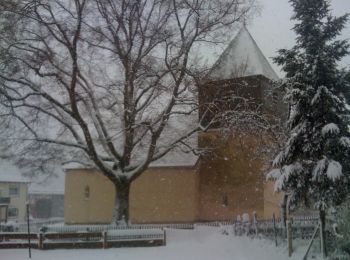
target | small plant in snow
[{"x": 343, "y": 229}]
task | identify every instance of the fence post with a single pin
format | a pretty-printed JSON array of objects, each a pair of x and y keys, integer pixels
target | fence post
[
  {"x": 274, "y": 228},
  {"x": 322, "y": 233},
  {"x": 283, "y": 206},
  {"x": 41, "y": 241},
  {"x": 28, "y": 230},
  {"x": 104, "y": 239},
  {"x": 289, "y": 238},
  {"x": 312, "y": 240},
  {"x": 238, "y": 226},
  {"x": 164, "y": 237},
  {"x": 255, "y": 221}
]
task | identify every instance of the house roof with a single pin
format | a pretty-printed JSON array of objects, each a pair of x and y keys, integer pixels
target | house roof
[
  {"x": 242, "y": 58},
  {"x": 52, "y": 184},
  {"x": 43, "y": 184},
  {"x": 10, "y": 173}
]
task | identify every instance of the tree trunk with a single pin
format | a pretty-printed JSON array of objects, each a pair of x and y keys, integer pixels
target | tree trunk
[
  {"x": 284, "y": 213},
  {"x": 122, "y": 203},
  {"x": 323, "y": 233}
]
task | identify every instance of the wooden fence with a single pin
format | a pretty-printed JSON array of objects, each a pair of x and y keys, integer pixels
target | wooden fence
[
  {"x": 55, "y": 226},
  {"x": 47, "y": 236},
  {"x": 104, "y": 239},
  {"x": 35, "y": 225},
  {"x": 103, "y": 236},
  {"x": 296, "y": 228},
  {"x": 302, "y": 227},
  {"x": 99, "y": 228}
]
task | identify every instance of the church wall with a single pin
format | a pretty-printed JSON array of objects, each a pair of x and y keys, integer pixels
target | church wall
[
  {"x": 165, "y": 195},
  {"x": 96, "y": 208},
  {"x": 232, "y": 180},
  {"x": 218, "y": 96},
  {"x": 160, "y": 195},
  {"x": 272, "y": 100},
  {"x": 233, "y": 176},
  {"x": 272, "y": 201}
]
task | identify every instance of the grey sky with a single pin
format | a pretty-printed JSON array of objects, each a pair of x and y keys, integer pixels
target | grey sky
[{"x": 272, "y": 29}]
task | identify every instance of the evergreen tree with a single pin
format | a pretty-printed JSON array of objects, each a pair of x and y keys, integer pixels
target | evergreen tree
[
  {"x": 343, "y": 84},
  {"x": 314, "y": 165}
]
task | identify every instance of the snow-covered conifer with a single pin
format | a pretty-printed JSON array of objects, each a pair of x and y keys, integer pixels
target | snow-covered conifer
[{"x": 313, "y": 166}]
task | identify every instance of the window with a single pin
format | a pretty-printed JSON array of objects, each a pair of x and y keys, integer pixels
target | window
[
  {"x": 87, "y": 192},
  {"x": 225, "y": 200},
  {"x": 12, "y": 212},
  {"x": 14, "y": 190}
]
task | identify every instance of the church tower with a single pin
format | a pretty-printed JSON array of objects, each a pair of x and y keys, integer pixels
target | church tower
[
  {"x": 232, "y": 180},
  {"x": 242, "y": 58}
]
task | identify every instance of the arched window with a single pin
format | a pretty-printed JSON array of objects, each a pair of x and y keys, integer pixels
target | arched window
[{"x": 87, "y": 192}]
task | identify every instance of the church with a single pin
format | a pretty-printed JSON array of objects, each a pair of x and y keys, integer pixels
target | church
[{"x": 216, "y": 186}]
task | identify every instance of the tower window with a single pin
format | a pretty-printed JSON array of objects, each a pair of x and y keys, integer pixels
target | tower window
[
  {"x": 87, "y": 192},
  {"x": 225, "y": 200}
]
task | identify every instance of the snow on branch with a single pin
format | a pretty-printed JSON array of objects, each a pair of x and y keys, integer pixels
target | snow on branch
[
  {"x": 330, "y": 129},
  {"x": 345, "y": 141},
  {"x": 327, "y": 168},
  {"x": 334, "y": 170}
]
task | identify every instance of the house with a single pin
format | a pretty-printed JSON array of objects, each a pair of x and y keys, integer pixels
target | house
[
  {"x": 13, "y": 193},
  {"x": 46, "y": 196},
  {"x": 220, "y": 185}
]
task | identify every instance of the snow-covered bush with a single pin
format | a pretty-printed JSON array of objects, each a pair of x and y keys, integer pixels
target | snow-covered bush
[{"x": 343, "y": 229}]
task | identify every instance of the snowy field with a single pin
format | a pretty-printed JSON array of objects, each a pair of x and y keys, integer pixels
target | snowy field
[{"x": 202, "y": 243}]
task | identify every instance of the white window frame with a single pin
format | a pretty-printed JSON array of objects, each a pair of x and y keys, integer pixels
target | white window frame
[
  {"x": 18, "y": 190},
  {"x": 8, "y": 212}
]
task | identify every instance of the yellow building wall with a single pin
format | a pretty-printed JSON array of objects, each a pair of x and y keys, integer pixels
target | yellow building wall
[
  {"x": 160, "y": 195},
  {"x": 228, "y": 181},
  {"x": 227, "y": 187},
  {"x": 165, "y": 195},
  {"x": 98, "y": 208},
  {"x": 16, "y": 201}
]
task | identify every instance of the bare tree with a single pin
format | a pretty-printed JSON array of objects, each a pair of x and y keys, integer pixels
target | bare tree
[{"x": 107, "y": 83}]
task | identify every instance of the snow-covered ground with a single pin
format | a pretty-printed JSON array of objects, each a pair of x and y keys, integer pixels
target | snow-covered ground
[{"x": 202, "y": 243}]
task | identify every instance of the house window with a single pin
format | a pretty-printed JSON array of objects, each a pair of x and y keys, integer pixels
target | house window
[
  {"x": 14, "y": 190},
  {"x": 12, "y": 212},
  {"x": 87, "y": 192}
]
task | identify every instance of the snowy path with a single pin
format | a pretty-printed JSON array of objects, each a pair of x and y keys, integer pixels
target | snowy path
[{"x": 201, "y": 243}]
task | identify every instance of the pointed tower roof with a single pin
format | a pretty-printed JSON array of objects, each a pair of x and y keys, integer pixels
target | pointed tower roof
[{"x": 242, "y": 58}]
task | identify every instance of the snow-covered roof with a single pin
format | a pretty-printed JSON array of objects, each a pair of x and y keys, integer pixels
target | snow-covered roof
[
  {"x": 242, "y": 58},
  {"x": 43, "y": 184},
  {"x": 10, "y": 173},
  {"x": 176, "y": 159},
  {"x": 48, "y": 184},
  {"x": 172, "y": 159}
]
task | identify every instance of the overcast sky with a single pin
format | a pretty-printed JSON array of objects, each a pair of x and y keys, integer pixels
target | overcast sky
[{"x": 272, "y": 28}]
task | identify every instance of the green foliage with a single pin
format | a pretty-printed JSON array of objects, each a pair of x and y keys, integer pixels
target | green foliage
[
  {"x": 344, "y": 228},
  {"x": 317, "y": 49},
  {"x": 313, "y": 165}
]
